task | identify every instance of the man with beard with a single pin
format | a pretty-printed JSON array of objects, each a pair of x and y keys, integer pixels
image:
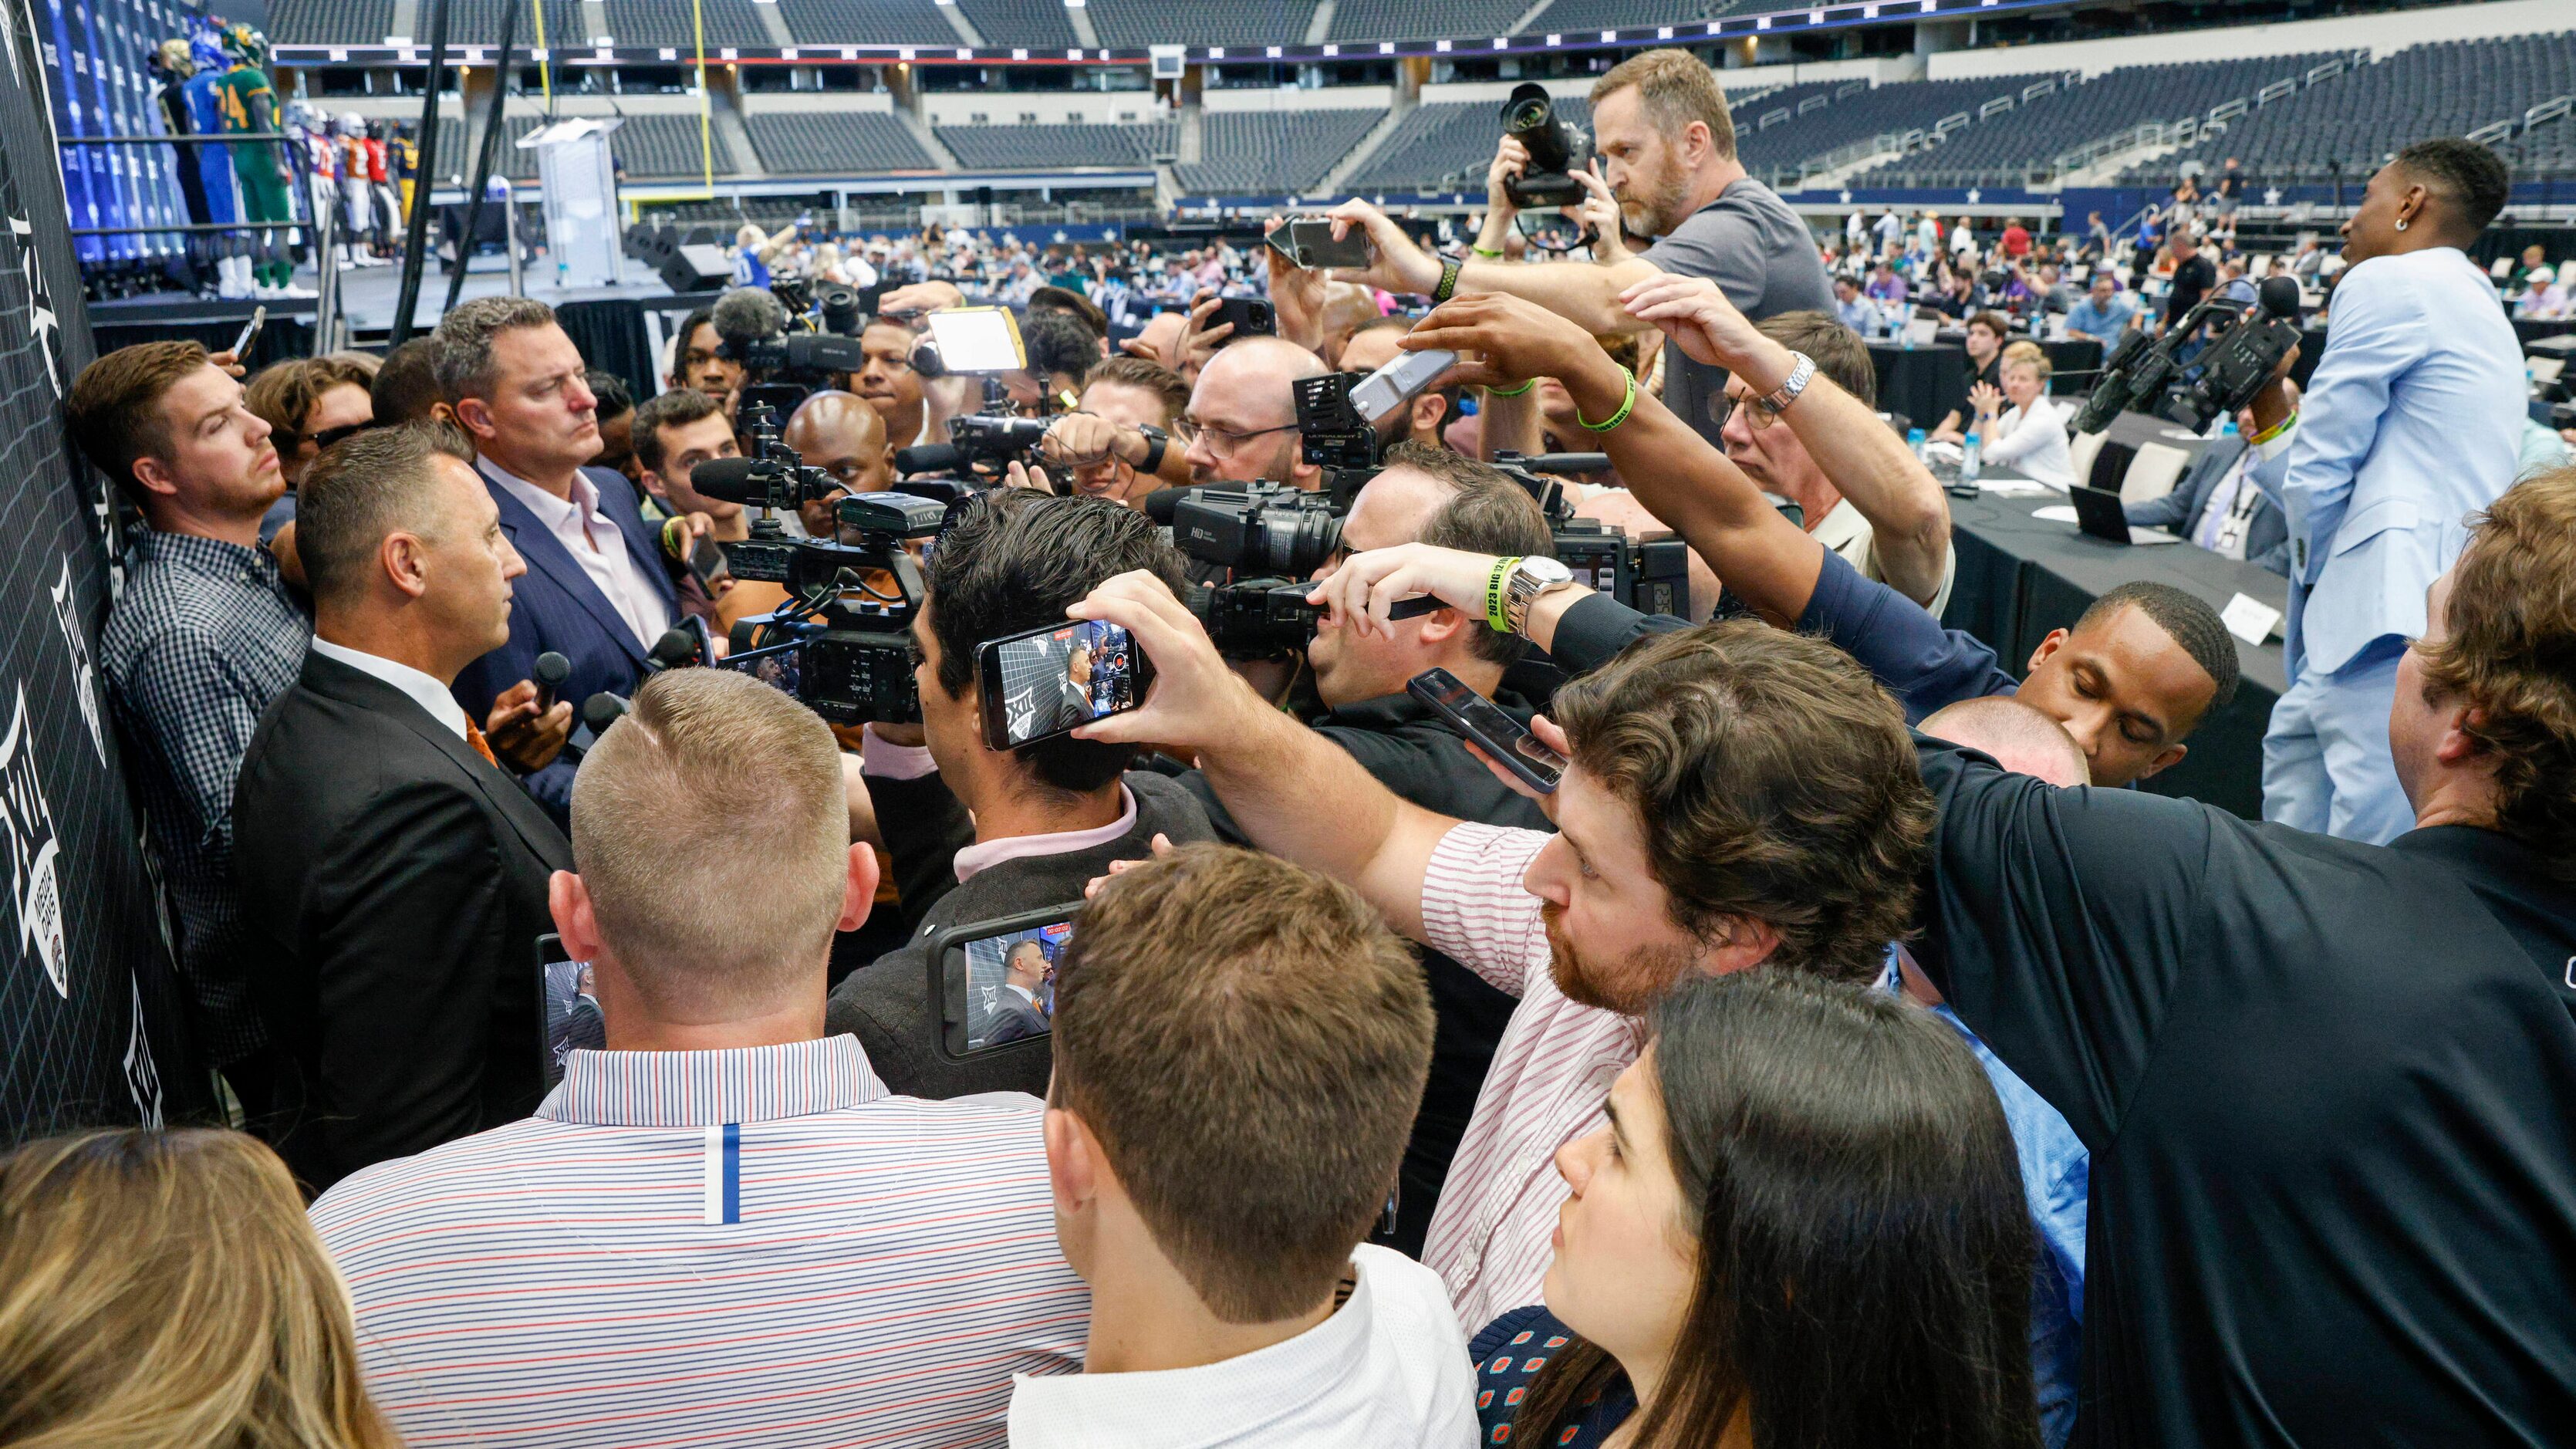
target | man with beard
[
  {"x": 1661, "y": 125},
  {"x": 1789, "y": 824}
]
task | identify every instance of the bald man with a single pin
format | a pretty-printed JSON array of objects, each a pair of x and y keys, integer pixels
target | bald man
[
  {"x": 1243, "y": 418},
  {"x": 844, "y": 435},
  {"x": 2021, "y": 739}
]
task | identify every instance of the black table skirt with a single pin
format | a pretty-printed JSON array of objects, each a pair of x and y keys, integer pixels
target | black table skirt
[{"x": 1924, "y": 384}]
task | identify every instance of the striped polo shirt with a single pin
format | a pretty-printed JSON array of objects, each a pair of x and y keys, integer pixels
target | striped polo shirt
[
  {"x": 1551, "y": 1073},
  {"x": 758, "y": 1246}
]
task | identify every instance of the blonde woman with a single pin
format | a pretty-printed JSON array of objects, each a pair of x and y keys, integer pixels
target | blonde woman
[{"x": 162, "y": 1290}]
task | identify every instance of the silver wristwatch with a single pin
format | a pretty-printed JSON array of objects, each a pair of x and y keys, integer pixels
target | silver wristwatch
[
  {"x": 1530, "y": 578},
  {"x": 1799, "y": 376}
]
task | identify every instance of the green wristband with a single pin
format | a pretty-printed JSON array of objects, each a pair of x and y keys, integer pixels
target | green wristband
[
  {"x": 1511, "y": 391},
  {"x": 1495, "y": 594},
  {"x": 1627, "y": 405},
  {"x": 1489, "y": 253}
]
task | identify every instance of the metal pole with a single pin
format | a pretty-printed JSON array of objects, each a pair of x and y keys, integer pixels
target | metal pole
[
  {"x": 510, "y": 243},
  {"x": 494, "y": 127},
  {"x": 416, "y": 228}
]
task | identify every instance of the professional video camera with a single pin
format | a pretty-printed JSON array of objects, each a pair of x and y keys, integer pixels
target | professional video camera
[
  {"x": 992, "y": 439},
  {"x": 783, "y": 358},
  {"x": 1530, "y": 117},
  {"x": 1649, "y": 574},
  {"x": 1341, "y": 415},
  {"x": 772, "y": 477},
  {"x": 2150, "y": 377},
  {"x": 1265, "y": 528}
]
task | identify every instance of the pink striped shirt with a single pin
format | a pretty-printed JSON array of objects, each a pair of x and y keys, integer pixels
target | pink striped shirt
[
  {"x": 1552, "y": 1071},
  {"x": 760, "y": 1246}
]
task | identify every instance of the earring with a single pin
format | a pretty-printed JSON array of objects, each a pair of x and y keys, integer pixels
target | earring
[{"x": 2401, "y": 223}]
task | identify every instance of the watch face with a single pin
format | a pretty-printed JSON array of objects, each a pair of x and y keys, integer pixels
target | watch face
[{"x": 1545, "y": 571}]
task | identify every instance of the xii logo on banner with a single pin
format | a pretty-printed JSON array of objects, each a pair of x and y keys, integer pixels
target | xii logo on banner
[
  {"x": 28, "y": 826},
  {"x": 84, "y": 678}
]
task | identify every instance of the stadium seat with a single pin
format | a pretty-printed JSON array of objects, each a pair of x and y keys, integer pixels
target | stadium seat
[
  {"x": 793, "y": 143},
  {"x": 1268, "y": 152}
]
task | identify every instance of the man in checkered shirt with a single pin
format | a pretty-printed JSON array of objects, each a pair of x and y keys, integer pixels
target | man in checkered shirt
[
  {"x": 204, "y": 636},
  {"x": 1738, "y": 796}
]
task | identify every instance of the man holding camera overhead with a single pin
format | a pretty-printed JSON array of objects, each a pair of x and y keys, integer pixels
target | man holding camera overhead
[{"x": 1667, "y": 147}]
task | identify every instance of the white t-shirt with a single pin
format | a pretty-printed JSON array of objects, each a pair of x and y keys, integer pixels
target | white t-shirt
[
  {"x": 2033, "y": 445},
  {"x": 1388, "y": 1370}
]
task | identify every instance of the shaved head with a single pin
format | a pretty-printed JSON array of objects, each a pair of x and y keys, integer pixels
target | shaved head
[
  {"x": 844, "y": 435},
  {"x": 2020, "y": 738}
]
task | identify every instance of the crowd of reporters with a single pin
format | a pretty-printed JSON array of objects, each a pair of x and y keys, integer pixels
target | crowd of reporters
[{"x": 1832, "y": 1050}]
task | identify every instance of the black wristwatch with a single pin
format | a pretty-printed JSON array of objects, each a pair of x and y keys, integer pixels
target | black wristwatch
[{"x": 1156, "y": 441}]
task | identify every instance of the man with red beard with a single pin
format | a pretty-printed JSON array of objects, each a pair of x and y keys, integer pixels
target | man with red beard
[{"x": 1737, "y": 796}]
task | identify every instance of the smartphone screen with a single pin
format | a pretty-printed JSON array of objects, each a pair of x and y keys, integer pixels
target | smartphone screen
[
  {"x": 977, "y": 339},
  {"x": 1312, "y": 244},
  {"x": 1045, "y": 682},
  {"x": 567, "y": 1008},
  {"x": 999, "y": 986},
  {"x": 707, "y": 565},
  {"x": 1497, "y": 733}
]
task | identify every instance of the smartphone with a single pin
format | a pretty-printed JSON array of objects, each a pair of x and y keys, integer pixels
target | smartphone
[
  {"x": 568, "y": 1018},
  {"x": 1399, "y": 382},
  {"x": 1251, "y": 317},
  {"x": 249, "y": 334},
  {"x": 995, "y": 980},
  {"x": 1044, "y": 683},
  {"x": 977, "y": 339},
  {"x": 707, "y": 565},
  {"x": 1495, "y": 732},
  {"x": 1309, "y": 242}
]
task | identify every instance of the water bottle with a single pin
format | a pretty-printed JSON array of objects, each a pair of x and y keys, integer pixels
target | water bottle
[
  {"x": 1914, "y": 438},
  {"x": 1968, "y": 459},
  {"x": 2227, "y": 426},
  {"x": 563, "y": 274}
]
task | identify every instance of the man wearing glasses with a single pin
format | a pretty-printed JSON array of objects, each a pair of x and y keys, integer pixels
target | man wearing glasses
[{"x": 1243, "y": 417}]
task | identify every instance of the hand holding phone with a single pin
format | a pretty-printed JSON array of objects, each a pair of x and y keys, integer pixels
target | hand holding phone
[
  {"x": 1309, "y": 242},
  {"x": 995, "y": 980},
  {"x": 1050, "y": 680},
  {"x": 1500, "y": 736}
]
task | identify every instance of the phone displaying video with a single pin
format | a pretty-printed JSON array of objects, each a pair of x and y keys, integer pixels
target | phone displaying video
[
  {"x": 977, "y": 339},
  {"x": 568, "y": 1018},
  {"x": 996, "y": 979},
  {"x": 1496, "y": 733},
  {"x": 1052, "y": 679}
]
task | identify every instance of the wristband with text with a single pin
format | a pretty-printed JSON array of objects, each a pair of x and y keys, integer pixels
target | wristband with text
[
  {"x": 1627, "y": 405},
  {"x": 1494, "y": 594}
]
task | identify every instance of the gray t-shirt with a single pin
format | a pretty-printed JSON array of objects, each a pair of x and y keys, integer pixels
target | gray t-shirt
[{"x": 1761, "y": 256}]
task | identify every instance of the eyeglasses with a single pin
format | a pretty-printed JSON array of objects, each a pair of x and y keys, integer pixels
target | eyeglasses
[
  {"x": 1225, "y": 442},
  {"x": 291, "y": 441},
  {"x": 1757, "y": 413}
]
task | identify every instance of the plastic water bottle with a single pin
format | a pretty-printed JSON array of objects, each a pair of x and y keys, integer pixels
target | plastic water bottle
[
  {"x": 2227, "y": 426},
  {"x": 1968, "y": 459},
  {"x": 563, "y": 274},
  {"x": 1914, "y": 438}
]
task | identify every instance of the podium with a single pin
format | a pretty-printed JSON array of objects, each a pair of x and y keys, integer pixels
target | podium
[{"x": 580, "y": 182}]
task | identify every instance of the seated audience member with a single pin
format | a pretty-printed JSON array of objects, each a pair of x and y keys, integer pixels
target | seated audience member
[
  {"x": 977, "y": 833},
  {"x": 2105, "y": 314},
  {"x": 203, "y": 637},
  {"x": 1372, "y": 347},
  {"x": 843, "y": 435},
  {"x": 165, "y": 1288},
  {"x": 1853, "y": 310},
  {"x": 1868, "y": 499},
  {"x": 1751, "y": 746},
  {"x": 616, "y": 416},
  {"x": 675, "y": 432},
  {"x": 1985, "y": 337},
  {"x": 2022, "y": 429},
  {"x": 392, "y": 876},
  {"x": 1695, "y": 1292},
  {"x": 596, "y": 590},
  {"x": 309, "y": 404},
  {"x": 2408, "y": 1110},
  {"x": 1121, "y": 443},
  {"x": 2218, "y": 504},
  {"x": 1243, "y": 415},
  {"x": 1233, "y": 1301},
  {"x": 806, "y": 1256},
  {"x": 2135, "y": 675},
  {"x": 406, "y": 386}
]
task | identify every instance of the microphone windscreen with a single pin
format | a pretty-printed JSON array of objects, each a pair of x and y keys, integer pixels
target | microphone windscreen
[
  {"x": 2280, "y": 296},
  {"x": 925, "y": 458},
  {"x": 552, "y": 669},
  {"x": 1163, "y": 503},
  {"x": 601, "y": 710},
  {"x": 675, "y": 649},
  {"x": 748, "y": 314},
  {"x": 728, "y": 479}
]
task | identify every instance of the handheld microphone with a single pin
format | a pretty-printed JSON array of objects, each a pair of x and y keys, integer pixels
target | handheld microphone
[
  {"x": 745, "y": 316},
  {"x": 551, "y": 671},
  {"x": 674, "y": 650},
  {"x": 2280, "y": 296},
  {"x": 600, "y": 711}
]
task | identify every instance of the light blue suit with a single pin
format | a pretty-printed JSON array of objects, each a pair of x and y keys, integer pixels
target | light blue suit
[{"x": 2410, "y": 423}]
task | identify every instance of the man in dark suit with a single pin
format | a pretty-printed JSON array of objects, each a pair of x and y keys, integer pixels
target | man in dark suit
[
  {"x": 598, "y": 590},
  {"x": 1016, "y": 1016},
  {"x": 394, "y": 879}
]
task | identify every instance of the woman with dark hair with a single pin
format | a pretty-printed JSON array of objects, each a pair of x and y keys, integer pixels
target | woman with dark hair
[{"x": 1804, "y": 1226}]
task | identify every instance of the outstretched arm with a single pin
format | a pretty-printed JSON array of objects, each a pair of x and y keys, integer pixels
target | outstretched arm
[{"x": 1585, "y": 292}]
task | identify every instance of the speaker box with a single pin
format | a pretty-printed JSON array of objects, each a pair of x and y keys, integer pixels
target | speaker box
[{"x": 696, "y": 268}]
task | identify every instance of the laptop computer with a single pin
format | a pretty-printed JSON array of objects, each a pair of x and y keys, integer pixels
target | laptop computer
[{"x": 2098, "y": 512}]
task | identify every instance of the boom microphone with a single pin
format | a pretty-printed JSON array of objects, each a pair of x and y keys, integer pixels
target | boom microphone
[
  {"x": 728, "y": 479},
  {"x": 744, "y": 316}
]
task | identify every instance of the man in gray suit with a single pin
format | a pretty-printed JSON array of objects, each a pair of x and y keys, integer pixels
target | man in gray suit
[{"x": 1017, "y": 1016}]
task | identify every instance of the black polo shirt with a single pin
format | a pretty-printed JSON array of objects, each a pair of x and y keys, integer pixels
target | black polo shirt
[{"x": 2330, "y": 1093}]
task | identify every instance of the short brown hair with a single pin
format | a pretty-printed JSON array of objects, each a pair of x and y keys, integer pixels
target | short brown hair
[
  {"x": 406, "y": 387},
  {"x": 284, "y": 394},
  {"x": 1146, "y": 375},
  {"x": 115, "y": 406},
  {"x": 465, "y": 356},
  {"x": 362, "y": 488},
  {"x": 1248, "y": 1041},
  {"x": 1774, "y": 779},
  {"x": 2510, "y": 654},
  {"x": 1676, "y": 88},
  {"x": 1486, "y": 513},
  {"x": 675, "y": 408},
  {"x": 704, "y": 760},
  {"x": 1994, "y": 322},
  {"x": 1839, "y": 352}
]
